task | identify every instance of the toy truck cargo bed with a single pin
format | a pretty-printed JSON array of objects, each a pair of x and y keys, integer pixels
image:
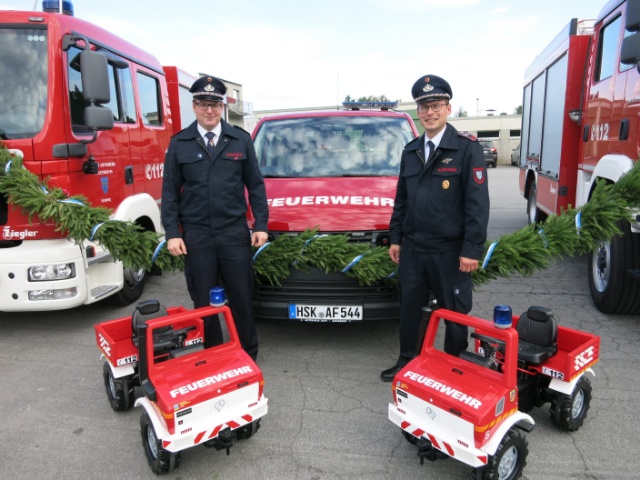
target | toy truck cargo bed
[{"x": 115, "y": 338}]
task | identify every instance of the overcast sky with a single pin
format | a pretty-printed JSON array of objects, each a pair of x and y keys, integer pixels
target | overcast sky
[{"x": 293, "y": 53}]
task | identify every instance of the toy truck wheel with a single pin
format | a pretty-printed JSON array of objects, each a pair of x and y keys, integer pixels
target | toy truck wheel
[
  {"x": 160, "y": 460},
  {"x": 509, "y": 459},
  {"x": 569, "y": 411},
  {"x": 247, "y": 430},
  {"x": 119, "y": 390}
]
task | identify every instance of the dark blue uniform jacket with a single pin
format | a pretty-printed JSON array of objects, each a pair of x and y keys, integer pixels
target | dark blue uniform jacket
[
  {"x": 442, "y": 206},
  {"x": 204, "y": 194}
]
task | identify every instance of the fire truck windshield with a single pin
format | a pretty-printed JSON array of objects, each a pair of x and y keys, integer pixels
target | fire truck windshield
[
  {"x": 332, "y": 146},
  {"x": 23, "y": 89}
]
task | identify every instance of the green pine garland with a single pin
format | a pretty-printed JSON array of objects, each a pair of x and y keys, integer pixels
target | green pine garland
[{"x": 522, "y": 252}]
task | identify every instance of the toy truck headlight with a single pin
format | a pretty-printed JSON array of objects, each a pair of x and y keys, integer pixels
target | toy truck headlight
[{"x": 43, "y": 273}]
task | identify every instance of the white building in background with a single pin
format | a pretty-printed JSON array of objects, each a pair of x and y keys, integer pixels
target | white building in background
[{"x": 502, "y": 130}]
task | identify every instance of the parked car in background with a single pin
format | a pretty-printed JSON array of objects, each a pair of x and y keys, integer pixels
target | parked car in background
[
  {"x": 490, "y": 153},
  {"x": 515, "y": 155}
]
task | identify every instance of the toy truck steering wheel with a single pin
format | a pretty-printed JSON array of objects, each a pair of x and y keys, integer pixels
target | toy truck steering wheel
[
  {"x": 172, "y": 338},
  {"x": 489, "y": 344}
]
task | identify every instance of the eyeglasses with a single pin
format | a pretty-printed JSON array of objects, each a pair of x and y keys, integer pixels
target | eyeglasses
[
  {"x": 435, "y": 108},
  {"x": 203, "y": 107}
]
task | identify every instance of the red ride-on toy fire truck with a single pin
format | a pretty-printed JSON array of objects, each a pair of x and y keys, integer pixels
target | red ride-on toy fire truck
[
  {"x": 472, "y": 407},
  {"x": 192, "y": 395}
]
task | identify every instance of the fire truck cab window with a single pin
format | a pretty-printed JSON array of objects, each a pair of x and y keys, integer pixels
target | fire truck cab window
[
  {"x": 608, "y": 50},
  {"x": 149, "y": 99},
  {"x": 24, "y": 72},
  {"x": 76, "y": 95},
  {"x": 128, "y": 98}
]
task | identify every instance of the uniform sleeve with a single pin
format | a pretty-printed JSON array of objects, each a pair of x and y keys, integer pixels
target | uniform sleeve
[
  {"x": 399, "y": 207},
  {"x": 255, "y": 187},
  {"x": 171, "y": 187},
  {"x": 476, "y": 203}
]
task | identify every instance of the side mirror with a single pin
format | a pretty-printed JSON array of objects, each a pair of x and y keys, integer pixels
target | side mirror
[
  {"x": 95, "y": 76},
  {"x": 630, "y": 50},
  {"x": 98, "y": 118},
  {"x": 632, "y": 20}
]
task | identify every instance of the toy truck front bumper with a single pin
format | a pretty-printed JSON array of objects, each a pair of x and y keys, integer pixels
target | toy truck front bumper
[
  {"x": 438, "y": 433},
  {"x": 209, "y": 428}
]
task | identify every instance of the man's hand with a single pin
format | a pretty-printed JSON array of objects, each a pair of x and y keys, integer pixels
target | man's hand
[
  {"x": 468, "y": 264},
  {"x": 258, "y": 239},
  {"x": 394, "y": 253},
  {"x": 176, "y": 247}
]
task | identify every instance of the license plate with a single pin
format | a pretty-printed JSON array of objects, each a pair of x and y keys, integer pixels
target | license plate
[{"x": 325, "y": 313}]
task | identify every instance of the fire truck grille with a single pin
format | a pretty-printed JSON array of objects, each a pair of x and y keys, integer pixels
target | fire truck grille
[
  {"x": 352, "y": 236},
  {"x": 316, "y": 285}
]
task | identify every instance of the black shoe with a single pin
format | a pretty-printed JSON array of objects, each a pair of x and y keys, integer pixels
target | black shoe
[{"x": 388, "y": 374}]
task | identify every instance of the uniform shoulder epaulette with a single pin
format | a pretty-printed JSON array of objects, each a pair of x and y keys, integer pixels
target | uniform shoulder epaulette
[
  {"x": 240, "y": 128},
  {"x": 467, "y": 135},
  {"x": 412, "y": 141},
  {"x": 178, "y": 133}
]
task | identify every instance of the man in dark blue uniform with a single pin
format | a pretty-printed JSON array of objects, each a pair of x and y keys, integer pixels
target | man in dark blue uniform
[
  {"x": 207, "y": 167},
  {"x": 439, "y": 221}
]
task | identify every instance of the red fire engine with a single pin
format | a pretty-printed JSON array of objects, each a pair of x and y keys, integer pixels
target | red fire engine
[
  {"x": 93, "y": 114},
  {"x": 579, "y": 125}
]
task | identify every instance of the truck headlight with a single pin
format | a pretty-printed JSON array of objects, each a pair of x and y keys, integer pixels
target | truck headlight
[{"x": 43, "y": 273}]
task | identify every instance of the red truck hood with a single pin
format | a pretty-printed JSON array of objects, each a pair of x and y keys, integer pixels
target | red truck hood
[
  {"x": 450, "y": 386},
  {"x": 331, "y": 203},
  {"x": 183, "y": 386}
]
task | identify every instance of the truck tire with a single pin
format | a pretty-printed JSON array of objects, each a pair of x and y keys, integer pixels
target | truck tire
[
  {"x": 612, "y": 289},
  {"x": 510, "y": 458},
  {"x": 160, "y": 460},
  {"x": 120, "y": 391},
  {"x": 535, "y": 215},
  {"x": 134, "y": 280},
  {"x": 569, "y": 411}
]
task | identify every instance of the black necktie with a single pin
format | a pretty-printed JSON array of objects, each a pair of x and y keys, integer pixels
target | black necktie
[
  {"x": 432, "y": 147},
  {"x": 210, "y": 144}
]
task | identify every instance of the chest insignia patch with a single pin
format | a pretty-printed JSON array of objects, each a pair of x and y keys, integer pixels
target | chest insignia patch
[
  {"x": 233, "y": 156},
  {"x": 447, "y": 161},
  {"x": 478, "y": 175},
  {"x": 445, "y": 185}
]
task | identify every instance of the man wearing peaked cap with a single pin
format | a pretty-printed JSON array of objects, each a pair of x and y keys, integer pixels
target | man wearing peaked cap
[
  {"x": 439, "y": 221},
  {"x": 207, "y": 167},
  {"x": 431, "y": 87},
  {"x": 208, "y": 88}
]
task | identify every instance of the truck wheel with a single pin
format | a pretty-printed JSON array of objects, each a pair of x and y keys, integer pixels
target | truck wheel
[
  {"x": 569, "y": 411},
  {"x": 510, "y": 458},
  {"x": 160, "y": 460},
  {"x": 120, "y": 391},
  {"x": 134, "y": 280},
  {"x": 247, "y": 430},
  {"x": 534, "y": 213},
  {"x": 612, "y": 289}
]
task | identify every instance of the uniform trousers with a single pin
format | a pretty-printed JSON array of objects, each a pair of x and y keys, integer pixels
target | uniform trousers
[
  {"x": 420, "y": 273},
  {"x": 225, "y": 256}
]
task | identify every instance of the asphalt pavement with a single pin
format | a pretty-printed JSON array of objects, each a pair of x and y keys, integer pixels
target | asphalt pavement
[{"x": 327, "y": 406}]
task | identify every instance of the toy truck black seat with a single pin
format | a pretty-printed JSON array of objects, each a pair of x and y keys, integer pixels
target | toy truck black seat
[
  {"x": 537, "y": 335},
  {"x": 148, "y": 310}
]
